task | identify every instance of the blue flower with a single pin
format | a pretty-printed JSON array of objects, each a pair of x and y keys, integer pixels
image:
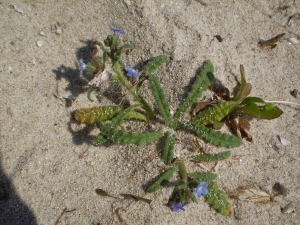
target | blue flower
[
  {"x": 82, "y": 65},
  {"x": 117, "y": 31},
  {"x": 177, "y": 206},
  {"x": 201, "y": 189},
  {"x": 131, "y": 72}
]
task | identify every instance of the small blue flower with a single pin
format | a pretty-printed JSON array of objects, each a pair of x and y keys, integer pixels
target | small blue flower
[
  {"x": 132, "y": 72},
  {"x": 117, "y": 31},
  {"x": 82, "y": 65},
  {"x": 201, "y": 189},
  {"x": 177, "y": 206}
]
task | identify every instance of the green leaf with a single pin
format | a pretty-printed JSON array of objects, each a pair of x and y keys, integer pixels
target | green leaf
[
  {"x": 245, "y": 87},
  {"x": 103, "y": 113},
  {"x": 154, "y": 64},
  {"x": 250, "y": 109},
  {"x": 269, "y": 111},
  {"x": 92, "y": 89},
  {"x": 217, "y": 199},
  {"x": 201, "y": 83},
  {"x": 202, "y": 177},
  {"x": 99, "y": 139},
  {"x": 121, "y": 49},
  {"x": 168, "y": 150},
  {"x": 211, "y": 157},
  {"x": 214, "y": 113},
  {"x": 117, "y": 121},
  {"x": 124, "y": 137},
  {"x": 160, "y": 99},
  {"x": 252, "y": 99},
  {"x": 162, "y": 181},
  {"x": 215, "y": 137}
]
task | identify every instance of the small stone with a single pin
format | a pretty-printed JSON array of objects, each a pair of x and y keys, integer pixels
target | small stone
[
  {"x": 293, "y": 41},
  {"x": 284, "y": 141},
  {"x": 39, "y": 43},
  {"x": 42, "y": 33},
  {"x": 288, "y": 208}
]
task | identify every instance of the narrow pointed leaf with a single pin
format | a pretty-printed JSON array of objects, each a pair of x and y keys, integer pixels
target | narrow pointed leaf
[
  {"x": 214, "y": 113},
  {"x": 168, "y": 150},
  {"x": 124, "y": 137},
  {"x": 201, "y": 83},
  {"x": 162, "y": 181},
  {"x": 160, "y": 99},
  {"x": 103, "y": 113},
  {"x": 154, "y": 64},
  {"x": 202, "y": 176},
  {"x": 117, "y": 121},
  {"x": 269, "y": 111},
  {"x": 217, "y": 199},
  {"x": 252, "y": 99},
  {"x": 250, "y": 109},
  {"x": 215, "y": 137},
  {"x": 212, "y": 157},
  {"x": 245, "y": 87},
  {"x": 121, "y": 49}
]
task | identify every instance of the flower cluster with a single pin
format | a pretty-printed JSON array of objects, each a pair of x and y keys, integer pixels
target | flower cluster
[
  {"x": 200, "y": 189},
  {"x": 132, "y": 72}
]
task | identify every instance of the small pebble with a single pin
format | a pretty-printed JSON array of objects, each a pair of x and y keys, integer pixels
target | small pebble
[
  {"x": 18, "y": 10},
  {"x": 39, "y": 43},
  {"x": 42, "y": 33},
  {"x": 293, "y": 41},
  {"x": 127, "y": 2},
  {"x": 58, "y": 29},
  {"x": 288, "y": 208},
  {"x": 284, "y": 141}
]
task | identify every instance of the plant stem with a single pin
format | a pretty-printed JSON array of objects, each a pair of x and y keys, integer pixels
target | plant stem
[
  {"x": 283, "y": 102},
  {"x": 182, "y": 170},
  {"x": 128, "y": 86}
]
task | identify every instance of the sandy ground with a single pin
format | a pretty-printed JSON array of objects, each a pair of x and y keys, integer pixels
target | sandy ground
[{"x": 49, "y": 168}]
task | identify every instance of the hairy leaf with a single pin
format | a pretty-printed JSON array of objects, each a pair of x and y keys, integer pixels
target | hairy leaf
[
  {"x": 168, "y": 150},
  {"x": 125, "y": 137},
  {"x": 201, "y": 83},
  {"x": 99, "y": 139},
  {"x": 269, "y": 111},
  {"x": 117, "y": 121},
  {"x": 217, "y": 199},
  {"x": 103, "y": 113},
  {"x": 214, "y": 137},
  {"x": 162, "y": 181},
  {"x": 160, "y": 99},
  {"x": 154, "y": 64},
  {"x": 121, "y": 49},
  {"x": 214, "y": 113},
  {"x": 202, "y": 176}
]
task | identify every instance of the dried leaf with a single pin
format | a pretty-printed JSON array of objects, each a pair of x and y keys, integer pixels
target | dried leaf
[
  {"x": 271, "y": 42},
  {"x": 103, "y": 193},
  {"x": 136, "y": 198},
  {"x": 251, "y": 195}
]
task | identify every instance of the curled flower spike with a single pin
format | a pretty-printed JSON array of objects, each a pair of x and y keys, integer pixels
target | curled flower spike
[
  {"x": 177, "y": 206},
  {"x": 201, "y": 189},
  {"x": 82, "y": 65},
  {"x": 117, "y": 31},
  {"x": 132, "y": 72}
]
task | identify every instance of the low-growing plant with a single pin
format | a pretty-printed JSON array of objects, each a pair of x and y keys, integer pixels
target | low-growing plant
[{"x": 108, "y": 119}]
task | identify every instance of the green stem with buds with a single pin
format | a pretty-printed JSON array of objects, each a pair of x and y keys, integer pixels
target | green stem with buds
[
  {"x": 182, "y": 170},
  {"x": 128, "y": 86}
]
